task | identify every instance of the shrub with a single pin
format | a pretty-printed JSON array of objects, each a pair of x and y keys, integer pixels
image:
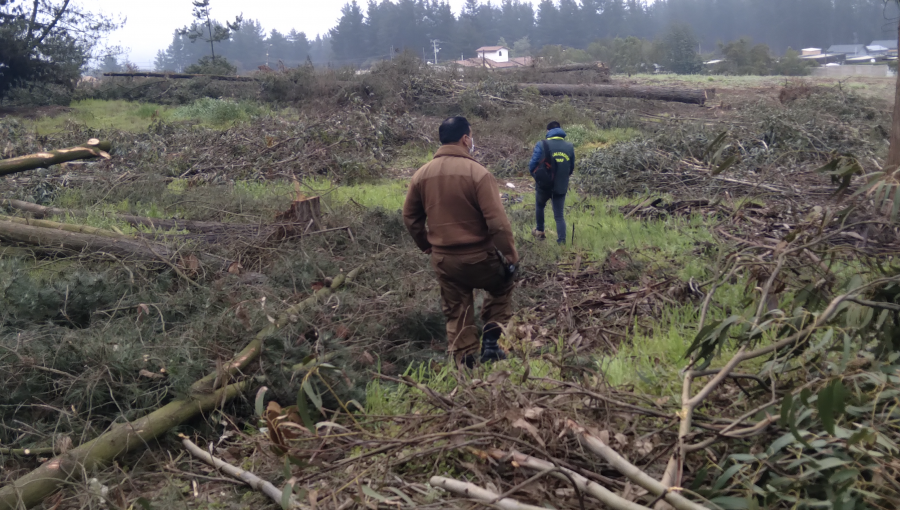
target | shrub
[
  {"x": 211, "y": 65},
  {"x": 218, "y": 111}
]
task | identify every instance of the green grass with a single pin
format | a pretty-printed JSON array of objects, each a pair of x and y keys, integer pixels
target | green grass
[
  {"x": 131, "y": 116},
  {"x": 649, "y": 358},
  {"x": 587, "y": 138},
  {"x": 217, "y": 112},
  {"x": 97, "y": 114}
]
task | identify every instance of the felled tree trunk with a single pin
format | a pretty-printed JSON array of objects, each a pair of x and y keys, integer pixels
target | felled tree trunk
[
  {"x": 691, "y": 96},
  {"x": 31, "y": 489},
  {"x": 206, "y": 394},
  {"x": 289, "y": 223},
  {"x": 59, "y": 236},
  {"x": 178, "y": 76},
  {"x": 92, "y": 149}
]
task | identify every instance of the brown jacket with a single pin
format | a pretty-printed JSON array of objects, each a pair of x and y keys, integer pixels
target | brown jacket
[{"x": 461, "y": 201}]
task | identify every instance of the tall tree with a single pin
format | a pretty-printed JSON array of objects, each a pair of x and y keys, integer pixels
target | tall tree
[
  {"x": 279, "y": 47},
  {"x": 349, "y": 38},
  {"x": 208, "y": 31},
  {"x": 47, "y": 41},
  {"x": 300, "y": 48}
]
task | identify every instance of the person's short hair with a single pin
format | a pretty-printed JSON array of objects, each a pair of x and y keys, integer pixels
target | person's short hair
[
  {"x": 553, "y": 125},
  {"x": 453, "y": 129}
]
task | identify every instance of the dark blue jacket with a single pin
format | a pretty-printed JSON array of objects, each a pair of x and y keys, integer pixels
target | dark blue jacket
[{"x": 557, "y": 138}]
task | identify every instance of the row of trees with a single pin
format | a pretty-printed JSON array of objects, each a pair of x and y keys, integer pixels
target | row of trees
[
  {"x": 676, "y": 51},
  {"x": 371, "y": 31},
  {"x": 247, "y": 47}
]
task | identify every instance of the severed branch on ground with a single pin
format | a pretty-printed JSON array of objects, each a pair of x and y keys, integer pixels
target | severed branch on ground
[
  {"x": 206, "y": 394},
  {"x": 257, "y": 483},
  {"x": 94, "y": 148},
  {"x": 472, "y": 491}
]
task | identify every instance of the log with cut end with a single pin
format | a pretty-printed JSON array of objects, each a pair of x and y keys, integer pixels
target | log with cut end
[
  {"x": 92, "y": 149},
  {"x": 691, "y": 96}
]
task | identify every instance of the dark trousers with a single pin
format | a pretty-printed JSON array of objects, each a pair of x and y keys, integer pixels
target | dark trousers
[
  {"x": 459, "y": 276},
  {"x": 559, "y": 205}
]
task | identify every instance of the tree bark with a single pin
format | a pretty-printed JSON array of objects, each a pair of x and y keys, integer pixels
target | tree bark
[
  {"x": 31, "y": 489},
  {"x": 893, "y": 159},
  {"x": 691, "y": 96},
  {"x": 92, "y": 149},
  {"x": 178, "y": 76},
  {"x": 58, "y": 237}
]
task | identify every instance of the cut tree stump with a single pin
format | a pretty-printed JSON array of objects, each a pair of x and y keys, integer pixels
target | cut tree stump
[
  {"x": 92, "y": 149},
  {"x": 691, "y": 96}
]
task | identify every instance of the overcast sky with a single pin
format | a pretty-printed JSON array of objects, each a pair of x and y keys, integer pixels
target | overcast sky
[{"x": 150, "y": 23}]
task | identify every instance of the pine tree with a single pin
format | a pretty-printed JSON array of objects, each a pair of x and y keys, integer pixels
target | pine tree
[
  {"x": 349, "y": 38},
  {"x": 681, "y": 50},
  {"x": 207, "y": 30}
]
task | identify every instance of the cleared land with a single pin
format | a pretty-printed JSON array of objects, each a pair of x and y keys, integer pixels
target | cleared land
[{"x": 700, "y": 236}]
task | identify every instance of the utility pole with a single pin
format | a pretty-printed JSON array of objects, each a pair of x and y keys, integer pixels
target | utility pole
[{"x": 434, "y": 43}]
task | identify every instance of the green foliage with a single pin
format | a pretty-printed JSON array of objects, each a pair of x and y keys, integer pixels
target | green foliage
[
  {"x": 792, "y": 65},
  {"x": 206, "y": 30},
  {"x": 212, "y": 65},
  {"x": 681, "y": 50},
  {"x": 218, "y": 111},
  {"x": 44, "y": 44},
  {"x": 627, "y": 56},
  {"x": 557, "y": 54},
  {"x": 742, "y": 57}
]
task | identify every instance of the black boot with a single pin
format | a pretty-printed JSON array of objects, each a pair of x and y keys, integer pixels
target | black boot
[{"x": 490, "y": 350}]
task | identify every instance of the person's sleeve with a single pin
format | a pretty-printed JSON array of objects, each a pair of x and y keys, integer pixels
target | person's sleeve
[
  {"x": 499, "y": 228},
  {"x": 414, "y": 217},
  {"x": 535, "y": 157}
]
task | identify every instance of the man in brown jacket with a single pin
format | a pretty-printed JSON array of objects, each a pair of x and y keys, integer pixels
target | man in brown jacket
[{"x": 467, "y": 233}]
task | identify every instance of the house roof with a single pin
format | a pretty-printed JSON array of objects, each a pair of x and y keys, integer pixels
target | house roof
[
  {"x": 492, "y": 48},
  {"x": 848, "y": 49},
  {"x": 876, "y": 47},
  {"x": 887, "y": 43}
]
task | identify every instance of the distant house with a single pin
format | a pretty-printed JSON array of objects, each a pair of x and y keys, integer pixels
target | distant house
[
  {"x": 890, "y": 44},
  {"x": 816, "y": 55},
  {"x": 496, "y": 53},
  {"x": 849, "y": 50},
  {"x": 495, "y": 57}
]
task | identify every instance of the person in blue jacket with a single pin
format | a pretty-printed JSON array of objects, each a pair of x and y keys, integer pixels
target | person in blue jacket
[{"x": 564, "y": 154}]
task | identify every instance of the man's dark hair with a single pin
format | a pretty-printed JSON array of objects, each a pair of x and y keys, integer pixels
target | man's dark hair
[
  {"x": 553, "y": 125},
  {"x": 453, "y": 129}
]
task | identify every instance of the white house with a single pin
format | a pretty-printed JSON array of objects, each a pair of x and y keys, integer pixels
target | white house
[{"x": 498, "y": 54}]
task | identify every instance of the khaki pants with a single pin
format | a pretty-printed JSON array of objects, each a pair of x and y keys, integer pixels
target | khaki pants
[{"x": 458, "y": 276}]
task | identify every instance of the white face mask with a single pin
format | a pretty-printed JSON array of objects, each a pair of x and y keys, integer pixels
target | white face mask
[{"x": 472, "y": 148}]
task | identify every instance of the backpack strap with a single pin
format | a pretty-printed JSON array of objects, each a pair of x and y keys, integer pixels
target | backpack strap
[{"x": 546, "y": 149}]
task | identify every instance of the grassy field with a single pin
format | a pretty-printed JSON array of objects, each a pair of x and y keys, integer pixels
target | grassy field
[{"x": 130, "y": 116}]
